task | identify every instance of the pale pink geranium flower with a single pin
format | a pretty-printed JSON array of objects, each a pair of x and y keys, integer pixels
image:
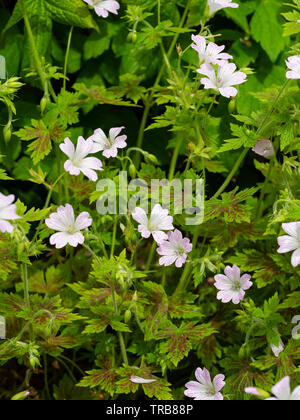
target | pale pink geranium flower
[
  {"x": 264, "y": 148},
  {"x": 293, "y": 63},
  {"x": 205, "y": 388},
  {"x": 69, "y": 229},
  {"x": 8, "y": 211},
  {"x": 223, "y": 79},
  {"x": 290, "y": 242},
  {"x": 282, "y": 391},
  {"x": 158, "y": 222},
  {"x": 215, "y": 5},
  {"x": 232, "y": 285},
  {"x": 211, "y": 52},
  {"x": 277, "y": 350},
  {"x": 111, "y": 144},
  {"x": 139, "y": 380},
  {"x": 79, "y": 160},
  {"x": 104, "y": 7},
  {"x": 174, "y": 250}
]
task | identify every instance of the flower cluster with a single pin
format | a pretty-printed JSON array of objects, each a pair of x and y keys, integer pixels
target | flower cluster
[
  {"x": 79, "y": 159},
  {"x": 221, "y": 75},
  {"x": 172, "y": 246}
]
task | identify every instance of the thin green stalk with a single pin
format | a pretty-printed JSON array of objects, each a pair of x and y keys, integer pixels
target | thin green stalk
[
  {"x": 151, "y": 256},
  {"x": 33, "y": 46},
  {"x": 92, "y": 252},
  {"x": 149, "y": 100},
  {"x": 174, "y": 159},
  {"x": 67, "y": 56},
  {"x": 113, "y": 245},
  {"x": 259, "y": 208},
  {"x": 46, "y": 377},
  {"x": 120, "y": 335}
]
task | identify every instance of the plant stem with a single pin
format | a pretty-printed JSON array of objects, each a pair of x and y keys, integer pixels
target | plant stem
[
  {"x": 174, "y": 158},
  {"x": 151, "y": 256},
  {"x": 149, "y": 100},
  {"x": 33, "y": 46},
  {"x": 67, "y": 56},
  {"x": 113, "y": 245},
  {"x": 120, "y": 335}
]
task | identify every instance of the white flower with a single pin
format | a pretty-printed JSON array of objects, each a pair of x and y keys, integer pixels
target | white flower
[
  {"x": 111, "y": 144},
  {"x": 293, "y": 63},
  {"x": 223, "y": 79},
  {"x": 103, "y": 7},
  {"x": 205, "y": 388},
  {"x": 78, "y": 160},
  {"x": 158, "y": 222},
  {"x": 139, "y": 380},
  {"x": 215, "y": 5},
  {"x": 277, "y": 350},
  {"x": 174, "y": 250},
  {"x": 68, "y": 228},
  {"x": 210, "y": 53},
  {"x": 290, "y": 242},
  {"x": 282, "y": 391},
  {"x": 8, "y": 211},
  {"x": 232, "y": 285}
]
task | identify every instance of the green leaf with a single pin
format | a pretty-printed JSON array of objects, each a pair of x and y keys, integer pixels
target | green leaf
[{"x": 266, "y": 27}]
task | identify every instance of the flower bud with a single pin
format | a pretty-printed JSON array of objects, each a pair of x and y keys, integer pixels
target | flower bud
[
  {"x": 151, "y": 159},
  {"x": 132, "y": 36},
  {"x": 7, "y": 132},
  {"x": 43, "y": 103},
  {"x": 132, "y": 171},
  {"x": 20, "y": 396},
  {"x": 232, "y": 106},
  {"x": 127, "y": 316}
]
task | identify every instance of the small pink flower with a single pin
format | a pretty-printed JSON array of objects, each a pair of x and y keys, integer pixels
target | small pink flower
[
  {"x": 68, "y": 228},
  {"x": 103, "y": 7},
  {"x": 210, "y": 53},
  {"x": 111, "y": 144},
  {"x": 264, "y": 148},
  {"x": 290, "y": 242},
  {"x": 282, "y": 391},
  {"x": 205, "y": 388},
  {"x": 277, "y": 350},
  {"x": 174, "y": 250},
  {"x": 215, "y": 5},
  {"x": 158, "y": 222},
  {"x": 78, "y": 160},
  {"x": 8, "y": 211},
  {"x": 252, "y": 391},
  {"x": 232, "y": 285},
  {"x": 293, "y": 63},
  {"x": 139, "y": 380},
  {"x": 223, "y": 79}
]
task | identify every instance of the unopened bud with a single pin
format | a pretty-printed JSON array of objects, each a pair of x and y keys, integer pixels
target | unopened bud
[
  {"x": 151, "y": 159},
  {"x": 7, "y": 132},
  {"x": 127, "y": 316},
  {"x": 21, "y": 396},
  {"x": 43, "y": 103},
  {"x": 132, "y": 36},
  {"x": 232, "y": 106},
  {"x": 132, "y": 171}
]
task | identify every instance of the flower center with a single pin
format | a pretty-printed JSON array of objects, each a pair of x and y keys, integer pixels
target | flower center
[{"x": 70, "y": 229}]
